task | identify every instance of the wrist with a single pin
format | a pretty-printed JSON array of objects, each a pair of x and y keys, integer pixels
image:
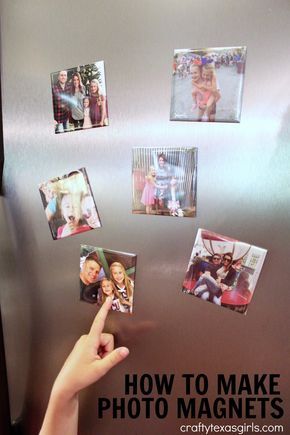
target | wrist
[
  {"x": 61, "y": 415},
  {"x": 61, "y": 394}
]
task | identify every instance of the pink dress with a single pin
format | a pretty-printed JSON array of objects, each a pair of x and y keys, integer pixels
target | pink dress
[
  {"x": 202, "y": 97},
  {"x": 87, "y": 118},
  {"x": 147, "y": 197}
]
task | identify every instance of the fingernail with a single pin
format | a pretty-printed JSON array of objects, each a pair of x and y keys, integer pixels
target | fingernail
[{"x": 123, "y": 351}]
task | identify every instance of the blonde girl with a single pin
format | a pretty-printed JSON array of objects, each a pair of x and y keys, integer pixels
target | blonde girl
[
  {"x": 109, "y": 289},
  {"x": 197, "y": 95},
  {"x": 210, "y": 92},
  {"x": 71, "y": 213},
  {"x": 87, "y": 118},
  {"x": 148, "y": 195},
  {"x": 50, "y": 192},
  {"x": 98, "y": 107},
  {"x": 123, "y": 284}
]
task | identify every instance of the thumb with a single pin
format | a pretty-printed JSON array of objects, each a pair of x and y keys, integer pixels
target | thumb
[{"x": 114, "y": 358}]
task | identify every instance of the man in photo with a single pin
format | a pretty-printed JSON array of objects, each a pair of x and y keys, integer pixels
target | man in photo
[
  {"x": 211, "y": 288},
  {"x": 198, "y": 267},
  {"x": 88, "y": 279},
  {"x": 60, "y": 96}
]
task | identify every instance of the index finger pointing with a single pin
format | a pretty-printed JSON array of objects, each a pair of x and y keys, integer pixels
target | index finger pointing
[{"x": 99, "y": 321}]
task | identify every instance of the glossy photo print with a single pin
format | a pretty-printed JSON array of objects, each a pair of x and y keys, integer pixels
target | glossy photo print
[
  {"x": 105, "y": 273},
  {"x": 69, "y": 204},
  {"x": 223, "y": 271},
  {"x": 164, "y": 181},
  {"x": 79, "y": 98},
  {"x": 207, "y": 84}
]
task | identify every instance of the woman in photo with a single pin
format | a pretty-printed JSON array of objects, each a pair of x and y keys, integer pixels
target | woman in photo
[
  {"x": 163, "y": 178},
  {"x": 98, "y": 110},
  {"x": 123, "y": 284},
  {"x": 77, "y": 95}
]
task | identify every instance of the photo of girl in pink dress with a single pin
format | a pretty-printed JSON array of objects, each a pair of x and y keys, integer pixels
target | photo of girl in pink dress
[
  {"x": 148, "y": 195},
  {"x": 164, "y": 181}
]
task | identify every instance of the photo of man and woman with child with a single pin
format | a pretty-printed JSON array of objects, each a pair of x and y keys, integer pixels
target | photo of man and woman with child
[
  {"x": 164, "y": 181},
  {"x": 223, "y": 271},
  {"x": 207, "y": 84},
  {"x": 69, "y": 204},
  {"x": 79, "y": 98},
  {"x": 105, "y": 273}
]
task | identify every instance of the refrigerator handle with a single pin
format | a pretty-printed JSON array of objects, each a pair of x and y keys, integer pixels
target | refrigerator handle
[
  {"x": 5, "y": 420},
  {"x": 1, "y": 141}
]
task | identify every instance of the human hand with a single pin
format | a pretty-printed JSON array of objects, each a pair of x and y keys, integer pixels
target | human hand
[
  {"x": 225, "y": 287},
  {"x": 91, "y": 358},
  {"x": 124, "y": 302}
]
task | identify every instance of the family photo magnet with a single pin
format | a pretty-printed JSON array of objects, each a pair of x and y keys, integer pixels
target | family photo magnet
[
  {"x": 105, "y": 273},
  {"x": 79, "y": 98}
]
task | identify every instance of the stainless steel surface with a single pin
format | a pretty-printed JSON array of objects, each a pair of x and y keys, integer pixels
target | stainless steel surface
[{"x": 243, "y": 192}]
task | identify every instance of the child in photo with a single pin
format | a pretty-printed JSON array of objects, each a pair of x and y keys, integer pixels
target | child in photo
[
  {"x": 173, "y": 203},
  {"x": 98, "y": 109},
  {"x": 89, "y": 211},
  {"x": 108, "y": 289},
  {"x": 50, "y": 192},
  {"x": 71, "y": 212},
  {"x": 205, "y": 91},
  {"x": 123, "y": 284},
  {"x": 69, "y": 204},
  {"x": 148, "y": 195},
  {"x": 197, "y": 93},
  {"x": 87, "y": 117}
]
